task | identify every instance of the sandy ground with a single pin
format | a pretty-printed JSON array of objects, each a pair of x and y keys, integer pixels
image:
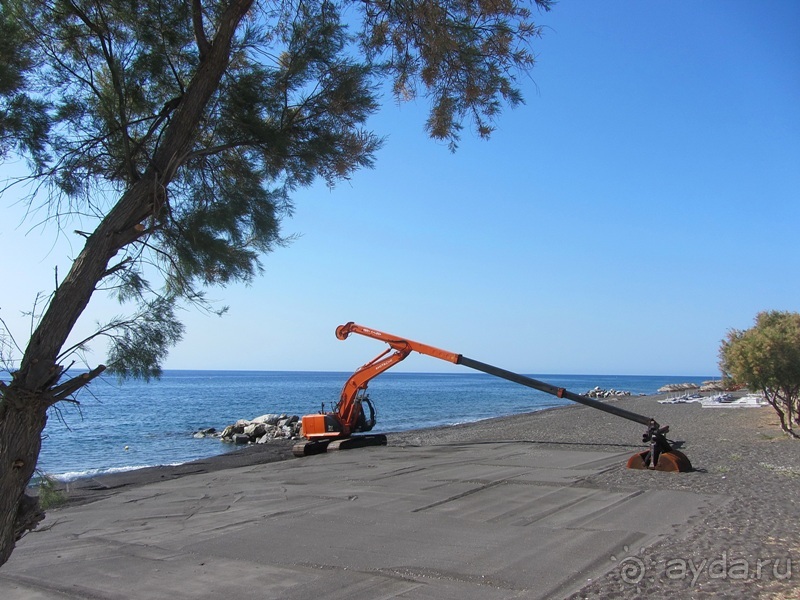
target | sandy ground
[
  {"x": 748, "y": 549},
  {"x": 751, "y": 549}
]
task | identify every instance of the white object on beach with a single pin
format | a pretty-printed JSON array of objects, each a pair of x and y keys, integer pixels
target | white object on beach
[
  {"x": 719, "y": 401},
  {"x": 749, "y": 401}
]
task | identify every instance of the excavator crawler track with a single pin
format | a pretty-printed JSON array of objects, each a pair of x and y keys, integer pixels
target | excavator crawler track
[
  {"x": 307, "y": 448},
  {"x": 322, "y": 446},
  {"x": 358, "y": 441}
]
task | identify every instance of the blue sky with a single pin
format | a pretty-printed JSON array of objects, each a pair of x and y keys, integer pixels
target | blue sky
[{"x": 642, "y": 202}]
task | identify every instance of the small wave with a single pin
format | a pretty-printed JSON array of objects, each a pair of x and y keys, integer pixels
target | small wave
[{"x": 73, "y": 475}]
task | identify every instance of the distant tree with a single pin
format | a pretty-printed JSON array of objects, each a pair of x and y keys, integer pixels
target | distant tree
[
  {"x": 766, "y": 358},
  {"x": 173, "y": 133}
]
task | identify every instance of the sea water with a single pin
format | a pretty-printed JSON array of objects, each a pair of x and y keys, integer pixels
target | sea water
[{"x": 123, "y": 426}]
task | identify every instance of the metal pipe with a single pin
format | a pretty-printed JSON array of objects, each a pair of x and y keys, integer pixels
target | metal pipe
[{"x": 553, "y": 390}]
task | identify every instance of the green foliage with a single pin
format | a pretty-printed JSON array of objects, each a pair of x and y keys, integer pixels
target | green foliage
[
  {"x": 140, "y": 344},
  {"x": 89, "y": 91},
  {"x": 464, "y": 54},
  {"x": 24, "y": 122},
  {"x": 49, "y": 494},
  {"x": 766, "y": 357}
]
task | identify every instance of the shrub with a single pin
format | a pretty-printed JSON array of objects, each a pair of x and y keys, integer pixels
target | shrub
[
  {"x": 50, "y": 495},
  {"x": 766, "y": 358}
]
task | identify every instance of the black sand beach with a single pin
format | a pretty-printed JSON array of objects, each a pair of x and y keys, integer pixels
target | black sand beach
[
  {"x": 748, "y": 548},
  {"x": 739, "y": 453}
]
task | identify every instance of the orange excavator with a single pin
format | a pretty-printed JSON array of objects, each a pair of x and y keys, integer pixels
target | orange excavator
[{"x": 355, "y": 413}]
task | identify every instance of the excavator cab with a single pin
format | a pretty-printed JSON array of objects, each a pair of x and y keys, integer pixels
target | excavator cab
[
  {"x": 328, "y": 425},
  {"x": 366, "y": 419}
]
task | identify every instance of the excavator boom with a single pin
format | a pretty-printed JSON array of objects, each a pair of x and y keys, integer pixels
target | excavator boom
[
  {"x": 553, "y": 390},
  {"x": 396, "y": 342}
]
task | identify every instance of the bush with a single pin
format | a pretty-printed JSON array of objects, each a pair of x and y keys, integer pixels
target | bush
[
  {"x": 50, "y": 495},
  {"x": 766, "y": 358}
]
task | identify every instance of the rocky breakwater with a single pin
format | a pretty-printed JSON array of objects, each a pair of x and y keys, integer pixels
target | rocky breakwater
[
  {"x": 598, "y": 392},
  {"x": 706, "y": 386},
  {"x": 260, "y": 430},
  {"x": 678, "y": 387}
]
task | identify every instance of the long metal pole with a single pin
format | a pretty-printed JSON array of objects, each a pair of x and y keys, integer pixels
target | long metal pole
[{"x": 551, "y": 389}]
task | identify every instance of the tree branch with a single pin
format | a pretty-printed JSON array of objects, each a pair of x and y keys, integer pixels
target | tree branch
[
  {"x": 69, "y": 387},
  {"x": 118, "y": 267},
  {"x": 116, "y": 80},
  {"x": 217, "y": 149},
  {"x": 166, "y": 110},
  {"x": 199, "y": 32}
]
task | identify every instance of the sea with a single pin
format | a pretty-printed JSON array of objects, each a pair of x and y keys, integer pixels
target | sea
[{"x": 120, "y": 426}]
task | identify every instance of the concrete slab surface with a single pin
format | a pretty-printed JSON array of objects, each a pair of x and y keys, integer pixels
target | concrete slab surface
[{"x": 483, "y": 521}]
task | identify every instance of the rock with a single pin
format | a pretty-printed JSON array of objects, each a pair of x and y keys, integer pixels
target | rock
[
  {"x": 712, "y": 386},
  {"x": 201, "y": 433},
  {"x": 677, "y": 387},
  {"x": 261, "y": 429},
  {"x": 598, "y": 392},
  {"x": 288, "y": 421},
  {"x": 268, "y": 419},
  {"x": 255, "y": 430},
  {"x": 237, "y": 427}
]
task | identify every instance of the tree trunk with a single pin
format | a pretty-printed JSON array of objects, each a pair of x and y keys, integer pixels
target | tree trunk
[
  {"x": 778, "y": 404},
  {"x": 19, "y": 451},
  {"x": 36, "y": 385}
]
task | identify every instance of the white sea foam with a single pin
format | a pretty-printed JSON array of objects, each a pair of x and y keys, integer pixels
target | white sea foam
[{"x": 73, "y": 475}]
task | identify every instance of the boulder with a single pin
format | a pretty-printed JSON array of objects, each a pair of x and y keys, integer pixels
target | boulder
[
  {"x": 210, "y": 432},
  {"x": 268, "y": 419},
  {"x": 240, "y": 438},
  {"x": 598, "y": 392},
  {"x": 678, "y": 387},
  {"x": 712, "y": 386},
  {"x": 255, "y": 430},
  {"x": 259, "y": 430},
  {"x": 288, "y": 421}
]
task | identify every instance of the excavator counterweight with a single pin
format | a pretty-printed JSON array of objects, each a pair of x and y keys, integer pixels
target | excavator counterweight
[{"x": 333, "y": 430}]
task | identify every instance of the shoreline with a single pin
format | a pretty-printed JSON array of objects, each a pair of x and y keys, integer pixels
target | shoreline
[
  {"x": 110, "y": 432},
  {"x": 90, "y": 488},
  {"x": 94, "y": 487}
]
